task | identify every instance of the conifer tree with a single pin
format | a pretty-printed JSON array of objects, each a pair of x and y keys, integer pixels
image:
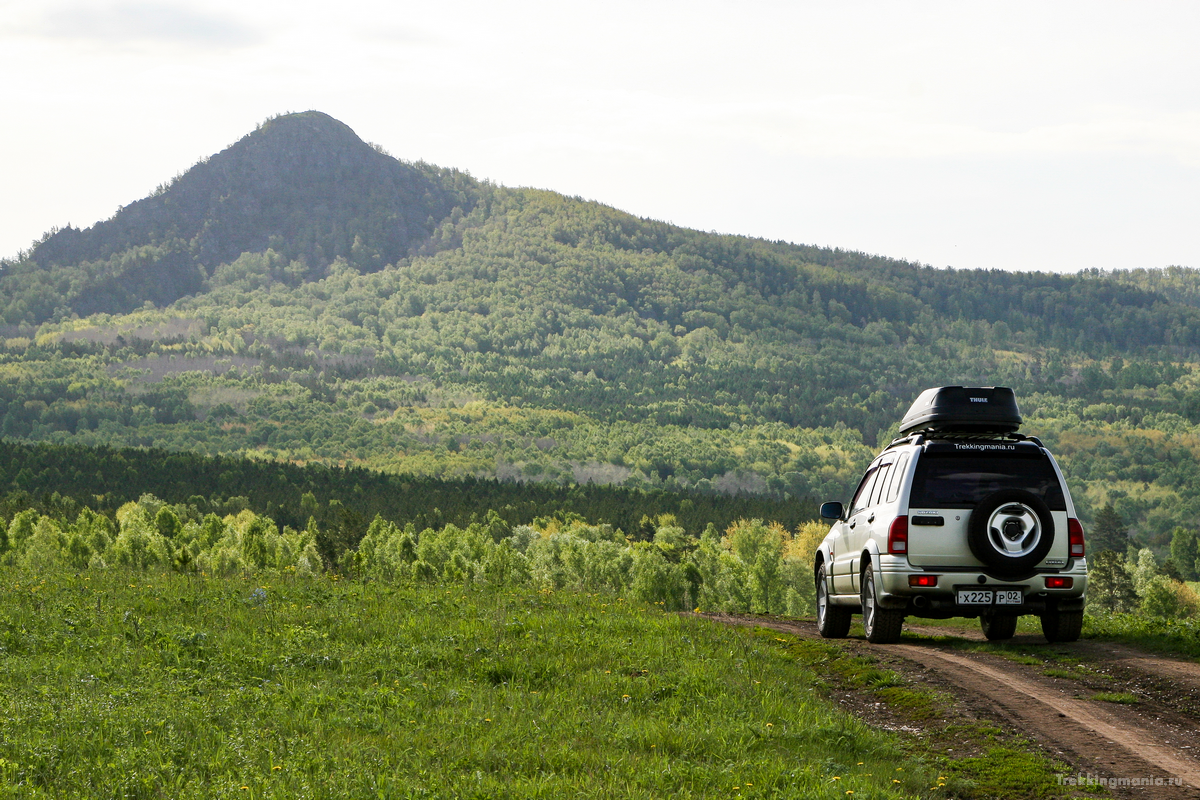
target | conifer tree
[{"x": 1108, "y": 531}]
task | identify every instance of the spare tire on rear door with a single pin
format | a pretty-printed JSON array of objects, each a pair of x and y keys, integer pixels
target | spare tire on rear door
[{"x": 1010, "y": 531}]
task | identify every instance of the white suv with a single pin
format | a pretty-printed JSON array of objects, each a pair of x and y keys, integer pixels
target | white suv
[{"x": 960, "y": 517}]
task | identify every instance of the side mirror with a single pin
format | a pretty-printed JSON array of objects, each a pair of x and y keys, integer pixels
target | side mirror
[{"x": 832, "y": 510}]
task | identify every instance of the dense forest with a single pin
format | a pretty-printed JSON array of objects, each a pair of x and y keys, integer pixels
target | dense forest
[{"x": 304, "y": 298}]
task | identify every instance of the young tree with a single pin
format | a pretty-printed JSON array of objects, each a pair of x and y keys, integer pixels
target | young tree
[{"x": 1110, "y": 587}]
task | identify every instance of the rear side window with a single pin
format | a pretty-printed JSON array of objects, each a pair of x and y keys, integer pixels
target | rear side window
[
  {"x": 897, "y": 478},
  {"x": 962, "y": 480},
  {"x": 881, "y": 483}
]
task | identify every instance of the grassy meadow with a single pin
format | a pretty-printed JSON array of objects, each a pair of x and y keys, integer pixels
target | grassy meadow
[{"x": 142, "y": 684}]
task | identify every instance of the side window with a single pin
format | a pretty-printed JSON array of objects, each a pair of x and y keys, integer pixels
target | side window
[
  {"x": 897, "y": 478},
  {"x": 863, "y": 495},
  {"x": 885, "y": 469}
]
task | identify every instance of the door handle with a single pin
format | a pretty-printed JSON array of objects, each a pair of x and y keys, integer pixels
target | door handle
[
  {"x": 852, "y": 524},
  {"x": 871, "y": 518}
]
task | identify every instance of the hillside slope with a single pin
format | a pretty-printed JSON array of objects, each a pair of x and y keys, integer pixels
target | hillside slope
[{"x": 356, "y": 309}]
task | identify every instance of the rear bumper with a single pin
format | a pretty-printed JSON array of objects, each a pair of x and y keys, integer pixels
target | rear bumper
[{"x": 941, "y": 601}]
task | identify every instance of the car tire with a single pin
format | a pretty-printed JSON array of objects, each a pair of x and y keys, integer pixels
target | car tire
[
  {"x": 997, "y": 627},
  {"x": 1062, "y": 626},
  {"x": 881, "y": 625},
  {"x": 1010, "y": 531},
  {"x": 833, "y": 622}
]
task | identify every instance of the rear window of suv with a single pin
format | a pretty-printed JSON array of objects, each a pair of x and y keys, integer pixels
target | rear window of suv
[{"x": 961, "y": 475}]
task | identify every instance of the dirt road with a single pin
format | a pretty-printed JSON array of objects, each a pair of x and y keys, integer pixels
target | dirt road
[{"x": 1051, "y": 699}]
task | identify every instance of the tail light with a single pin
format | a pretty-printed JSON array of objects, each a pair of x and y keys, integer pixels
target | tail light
[
  {"x": 1059, "y": 582},
  {"x": 922, "y": 580},
  {"x": 1075, "y": 536},
  {"x": 898, "y": 537}
]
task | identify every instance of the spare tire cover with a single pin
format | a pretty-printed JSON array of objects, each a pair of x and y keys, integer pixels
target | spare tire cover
[{"x": 1010, "y": 531}]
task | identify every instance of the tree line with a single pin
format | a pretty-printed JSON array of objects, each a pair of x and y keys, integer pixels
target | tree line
[{"x": 61, "y": 480}]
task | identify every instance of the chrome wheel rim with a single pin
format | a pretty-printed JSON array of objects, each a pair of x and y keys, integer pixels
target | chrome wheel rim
[
  {"x": 822, "y": 599},
  {"x": 1014, "y": 530},
  {"x": 869, "y": 602}
]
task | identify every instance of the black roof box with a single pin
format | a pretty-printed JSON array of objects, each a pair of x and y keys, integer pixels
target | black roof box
[{"x": 958, "y": 409}]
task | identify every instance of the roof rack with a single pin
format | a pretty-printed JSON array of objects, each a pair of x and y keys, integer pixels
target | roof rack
[{"x": 921, "y": 436}]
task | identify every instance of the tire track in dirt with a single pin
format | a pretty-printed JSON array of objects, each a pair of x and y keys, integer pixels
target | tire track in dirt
[
  {"x": 1095, "y": 728},
  {"x": 1153, "y": 739}
]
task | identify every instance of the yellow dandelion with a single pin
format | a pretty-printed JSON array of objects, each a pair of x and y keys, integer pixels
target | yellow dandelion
[
  {"x": 276, "y": 768},
  {"x": 895, "y": 781},
  {"x": 860, "y": 763}
]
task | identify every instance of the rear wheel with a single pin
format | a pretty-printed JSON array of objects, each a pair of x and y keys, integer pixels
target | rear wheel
[
  {"x": 881, "y": 625},
  {"x": 1062, "y": 626},
  {"x": 998, "y": 626},
  {"x": 833, "y": 622}
]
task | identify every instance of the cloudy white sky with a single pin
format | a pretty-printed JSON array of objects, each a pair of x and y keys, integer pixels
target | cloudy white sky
[{"x": 1019, "y": 135}]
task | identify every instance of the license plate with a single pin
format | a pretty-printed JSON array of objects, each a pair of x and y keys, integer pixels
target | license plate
[
  {"x": 975, "y": 597},
  {"x": 986, "y": 597}
]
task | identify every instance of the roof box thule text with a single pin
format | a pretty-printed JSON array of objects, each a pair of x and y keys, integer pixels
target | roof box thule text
[{"x": 959, "y": 409}]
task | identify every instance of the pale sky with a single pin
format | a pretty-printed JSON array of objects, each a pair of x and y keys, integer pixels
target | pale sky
[{"x": 1018, "y": 135}]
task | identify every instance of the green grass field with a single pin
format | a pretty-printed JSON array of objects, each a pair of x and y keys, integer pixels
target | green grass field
[{"x": 120, "y": 684}]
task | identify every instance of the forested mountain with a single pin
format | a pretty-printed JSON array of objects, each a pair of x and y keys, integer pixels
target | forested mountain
[{"x": 304, "y": 297}]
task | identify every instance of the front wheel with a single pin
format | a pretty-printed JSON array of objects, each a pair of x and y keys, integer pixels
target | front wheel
[
  {"x": 881, "y": 625},
  {"x": 1062, "y": 626},
  {"x": 998, "y": 626},
  {"x": 833, "y": 622}
]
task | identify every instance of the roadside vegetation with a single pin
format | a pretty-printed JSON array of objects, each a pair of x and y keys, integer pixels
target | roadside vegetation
[{"x": 118, "y": 683}]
